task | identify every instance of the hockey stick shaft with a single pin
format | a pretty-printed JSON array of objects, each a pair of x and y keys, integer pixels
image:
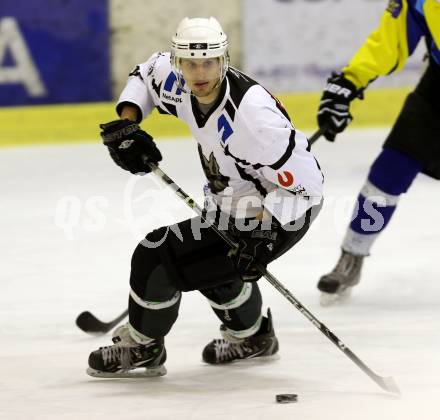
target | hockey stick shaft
[
  {"x": 315, "y": 136},
  {"x": 387, "y": 384}
]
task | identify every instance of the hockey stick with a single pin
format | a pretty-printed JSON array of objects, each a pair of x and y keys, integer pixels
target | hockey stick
[
  {"x": 386, "y": 383},
  {"x": 88, "y": 322}
]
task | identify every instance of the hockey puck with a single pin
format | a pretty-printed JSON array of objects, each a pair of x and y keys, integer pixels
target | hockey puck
[{"x": 286, "y": 398}]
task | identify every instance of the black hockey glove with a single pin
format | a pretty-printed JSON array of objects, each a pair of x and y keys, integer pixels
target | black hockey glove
[
  {"x": 254, "y": 247},
  {"x": 334, "y": 108},
  {"x": 129, "y": 146}
]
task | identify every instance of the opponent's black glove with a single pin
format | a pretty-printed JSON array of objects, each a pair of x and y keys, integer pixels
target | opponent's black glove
[
  {"x": 129, "y": 146},
  {"x": 254, "y": 247},
  {"x": 334, "y": 108}
]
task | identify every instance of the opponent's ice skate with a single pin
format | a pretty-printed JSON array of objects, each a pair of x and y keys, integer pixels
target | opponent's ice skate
[
  {"x": 336, "y": 286},
  {"x": 125, "y": 358},
  {"x": 223, "y": 350}
]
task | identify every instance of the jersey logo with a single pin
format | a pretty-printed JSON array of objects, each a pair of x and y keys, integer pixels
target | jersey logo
[
  {"x": 287, "y": 180},
  {"x": 216, "y": 180},
  {"x": 299, "y": 189},
  {"x": 171, "y": 98},
  {"x": 223, "y": 124}
]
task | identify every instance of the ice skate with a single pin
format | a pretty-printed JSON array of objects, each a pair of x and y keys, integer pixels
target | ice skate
[
  {"x": 337, "y": 285},
  {"x": 128, "y": 359},
  {"x": 262, "y": 343}
]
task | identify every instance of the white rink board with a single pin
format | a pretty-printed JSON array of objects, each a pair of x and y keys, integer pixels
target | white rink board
[
  {"x": 294, "y": 45},
  {"x": 392, "y": 322}
]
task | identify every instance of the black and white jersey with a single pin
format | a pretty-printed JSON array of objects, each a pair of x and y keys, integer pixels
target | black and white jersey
[{"x": 251, "y": 153}]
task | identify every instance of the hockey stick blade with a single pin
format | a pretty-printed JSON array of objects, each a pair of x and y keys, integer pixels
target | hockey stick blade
[
  {"x": 388, "y": 384},
  {"x": 88, "y": 322}
]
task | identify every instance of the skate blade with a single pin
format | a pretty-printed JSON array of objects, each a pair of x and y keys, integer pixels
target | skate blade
[
  {"x": 257, "y": 360},
  {"x": 331, "y": 299},
  {"x": 139, "y": 373},
  {"x": 268, "y": 358}
]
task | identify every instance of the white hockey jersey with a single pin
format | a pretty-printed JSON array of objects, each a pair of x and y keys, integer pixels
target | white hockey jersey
[{"x": 252, "y": 155}]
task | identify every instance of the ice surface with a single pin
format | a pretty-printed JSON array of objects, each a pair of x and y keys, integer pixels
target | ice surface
[{"x": 66, "y": 239}]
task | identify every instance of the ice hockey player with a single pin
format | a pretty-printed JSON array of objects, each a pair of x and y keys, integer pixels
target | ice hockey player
[
  {"x": 261, "y": 175},
  {"x": 413, "y": 144}
]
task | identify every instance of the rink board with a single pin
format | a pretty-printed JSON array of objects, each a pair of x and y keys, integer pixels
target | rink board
[{"x": 73, "y": 123}]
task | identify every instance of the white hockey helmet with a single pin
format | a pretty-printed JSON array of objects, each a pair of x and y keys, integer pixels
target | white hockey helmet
[{"x": 199, "y": 38}]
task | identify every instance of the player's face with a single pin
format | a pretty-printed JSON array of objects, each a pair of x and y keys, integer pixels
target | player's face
[{"x": 202, "y": 76}]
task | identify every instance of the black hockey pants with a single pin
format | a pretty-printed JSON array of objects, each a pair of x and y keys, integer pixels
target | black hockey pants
[{"x": 163, "y": 266}]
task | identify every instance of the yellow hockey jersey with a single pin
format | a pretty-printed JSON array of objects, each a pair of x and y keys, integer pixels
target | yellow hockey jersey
[{"x": 386, "y": 49}]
